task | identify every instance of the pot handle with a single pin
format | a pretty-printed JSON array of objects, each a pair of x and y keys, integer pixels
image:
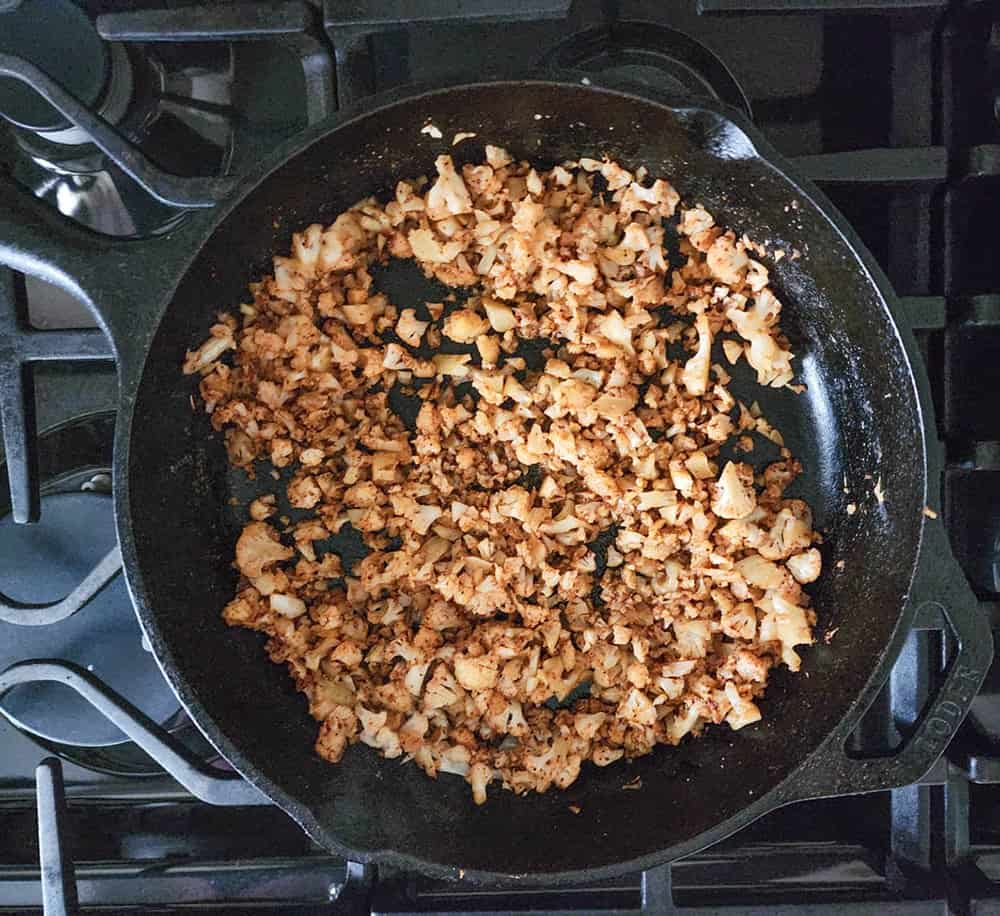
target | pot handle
[
  {"x": 943, "y": 601},
  {"x": 614, "y": 36}
]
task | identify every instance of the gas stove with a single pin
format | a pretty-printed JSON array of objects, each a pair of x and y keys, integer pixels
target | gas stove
[{"x": 892, "y": 106}]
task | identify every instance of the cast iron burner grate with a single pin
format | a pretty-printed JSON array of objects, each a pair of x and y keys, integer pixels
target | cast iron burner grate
[
  {"x": 62, "y": 597},
  {"x": 916, "y": 166},
  {"x": 183, "y": 88}
]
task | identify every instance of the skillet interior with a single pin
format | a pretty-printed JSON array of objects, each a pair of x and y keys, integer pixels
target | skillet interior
[{"x": 859, "y": 417}]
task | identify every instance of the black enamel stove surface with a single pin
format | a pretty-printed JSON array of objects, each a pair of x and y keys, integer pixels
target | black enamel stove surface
[{"x": 892, "y": 106}]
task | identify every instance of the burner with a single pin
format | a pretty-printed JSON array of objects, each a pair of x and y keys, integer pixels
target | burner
[
  {"x": 46, "y": 561},
  {"x": 43, "y": 31},
  {"x": 174, "y": 107},
  {"x": 199, "y": 92},
  {"x": 648, "y": 54}
]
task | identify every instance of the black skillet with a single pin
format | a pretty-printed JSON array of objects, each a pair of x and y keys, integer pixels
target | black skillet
[{"x": 861, "y": 422}]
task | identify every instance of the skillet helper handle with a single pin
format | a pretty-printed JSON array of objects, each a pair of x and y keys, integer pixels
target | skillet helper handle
[{"x": 943, "y": 600}]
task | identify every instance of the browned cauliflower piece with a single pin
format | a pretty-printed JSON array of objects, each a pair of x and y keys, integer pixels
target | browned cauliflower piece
[
  {"x": 735, "y": 496},
  {"x": 258, "y": 547}
]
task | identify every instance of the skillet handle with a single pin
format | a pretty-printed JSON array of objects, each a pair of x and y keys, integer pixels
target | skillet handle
[
  {"x": 100, "y": 271},
  {"x": 943, "y": 601},
  {"x": 120, "y": 281},
  {"x": 116, "y": 279},
  {"x": 352, "y": 26}
]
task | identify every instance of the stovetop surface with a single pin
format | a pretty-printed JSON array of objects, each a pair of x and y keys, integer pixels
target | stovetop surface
[{"x": 894, "y": 111}]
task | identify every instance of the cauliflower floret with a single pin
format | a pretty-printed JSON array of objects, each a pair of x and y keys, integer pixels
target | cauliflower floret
[
  {"x": 376, "y": 733},
  {"x": 304, "y": 492},
  {"x": 441, "y": 689},
  {"x": 497, "y": 156},
  {"x": 745, "y": 665},
  {"x": 245, "y": 610},
  {"x": 258, "y": 547},
  {"x": 727, "y": 260},
  {"x": 409, "y": 329},
  {"x": 805, "y": 566},
  {"x": 583, "y": 272},
  {"x": 587, "y": 725},
  {"x": 695, "y": 374},
  {"x": 554, "y": 765},
  {"x": 488, "y": 346},
  {"x": 287, "y": 605},
  {"x": 499, "y": 314},
  {"x": 203, "y": 359},
  {"x": 605, "y": 756},
  {"x": 681, "y": 724},
  {"x": 424, "y": 517},
  {"x": 744, "y": 711},
  {"x": 773, "y": 364},
  {"x": 699, "y": 466},
  {"x": 695, "y": 220},
  {"x": 427, "y": 247},
  {"x": 411, "y": 735},
  {"x": 680, "y": 476},
  {"x": 761, "y": 573},
  {"x": 465, "y": 325},
  {"x": 789, "y": 625},
  {"x": 262, "y": 507},
  {"x": 613, "y": 327},
  {"x": 527, "y": 214},
  {"x": 790, "y": 533},
  {"x": 455, "y": 760},
  {"x": 733, "y": 350},
  {"x": 453, "y": 364},
  {"x": 335, "y": 732},
  {"x": 476, "y": 673},
  {"x": 479, "y": 777},
  {"x": 449, "y": 196},
  {"x": 341, "y": 242},
  {"x": 740, "y": 621},
  {"x": 693, "y": 637}
]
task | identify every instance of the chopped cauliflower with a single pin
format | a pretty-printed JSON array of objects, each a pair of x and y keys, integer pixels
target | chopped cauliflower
[
  {"x": 695, "y": 374},
  {"x": 409, "y": 329},
  {"x": 465, "y": 325},
  {"x": 484, "y": 632},
  {"x": 805, "y": 566},
  {"x": 257, "y": 548},
  {"x": 449, "y": 195},
  {"x": 734, "y": 493},
  {"x": 204, "y": 358}
]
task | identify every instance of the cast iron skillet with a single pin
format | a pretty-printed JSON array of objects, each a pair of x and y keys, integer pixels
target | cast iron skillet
[{"x": 861, "y": 421}]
